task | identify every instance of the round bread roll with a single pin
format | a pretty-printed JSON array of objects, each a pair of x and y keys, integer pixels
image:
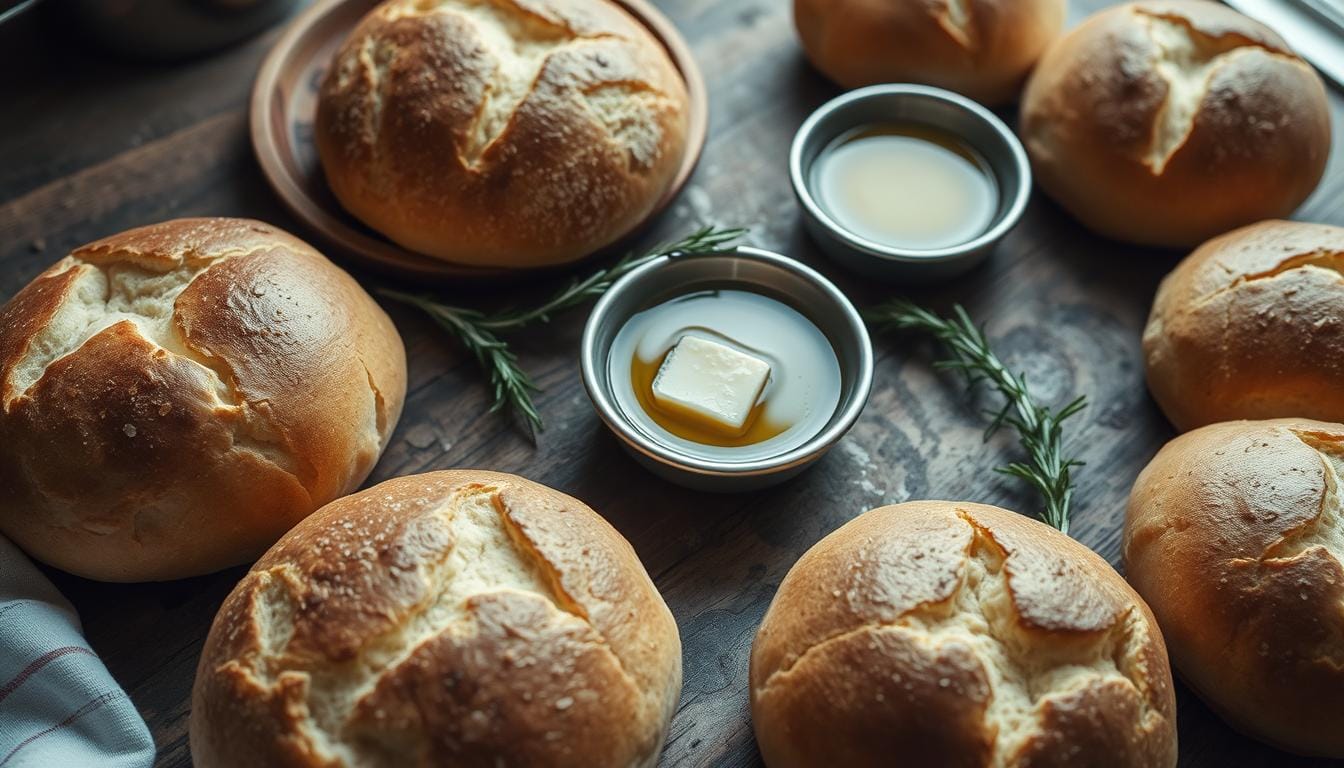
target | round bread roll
[
  {"x": 518, "y": 134},
  {"x": 458, "y": 618},
  {"x": 1166, "y": 123},
  {"x": 175, "y": 397},
  {"x": 940, "y": 633},
  {"x": 1251, "y": 326},
  {"x": 981, "y": 48},
  {"x": 1235, "y": 536}
]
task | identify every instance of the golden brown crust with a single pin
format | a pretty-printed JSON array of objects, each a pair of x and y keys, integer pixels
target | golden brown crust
[
  {"x": 1166, "y": 123},
  {"x": 175, "y": 397},
  {"x": 981, "y": 48},
  {"x": 453, "y": 618},
  {"x": 513, "y": 133},
  {"x": 1234, "y": 536},
  {"x": 962, "y": 635},
  {"x": 1251, "y": 326}
]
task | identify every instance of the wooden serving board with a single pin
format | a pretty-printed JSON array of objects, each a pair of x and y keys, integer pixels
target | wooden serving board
[{"x": 90, "y": 145}]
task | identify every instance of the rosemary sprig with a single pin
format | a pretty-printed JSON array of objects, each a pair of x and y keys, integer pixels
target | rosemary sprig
[
  {"x": 478, "y": 331},
  {"x": 511, "y": 384},
  {"x": 1039, "y": 429}
]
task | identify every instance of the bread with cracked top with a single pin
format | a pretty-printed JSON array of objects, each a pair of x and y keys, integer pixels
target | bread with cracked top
[
  {"x": 175, "y": 397},
  {"x": 983, "y": 49},
  {"x": 461, "y": 618},
  {"x": 501, "y": 133},
  {"x": 1251, "y": 326},
  {"x": 1234, "y": 535},
  {"x": 958, "y": 634},
  {"x": 1167, "y": 122}
]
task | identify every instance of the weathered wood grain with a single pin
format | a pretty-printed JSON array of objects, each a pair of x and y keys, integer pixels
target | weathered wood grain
[{"x": 90, "y": 145}]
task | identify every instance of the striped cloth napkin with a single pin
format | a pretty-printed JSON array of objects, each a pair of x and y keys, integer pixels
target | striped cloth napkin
[{"x": 58, "y": 704}]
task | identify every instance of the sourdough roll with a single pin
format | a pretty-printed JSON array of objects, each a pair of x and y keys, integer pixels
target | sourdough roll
[
  {"x": 1251, "y": 326},
  {"x": 940, "y": 633},
  {"x": 501, "y": 133},
  {"x": 175, "y": 397},
  {"x": 1235, "y": 536},
  {"x": 460, "y": 618},
  {"x": 1168, "y": 122},
  {"x": 981, "y": 48}
]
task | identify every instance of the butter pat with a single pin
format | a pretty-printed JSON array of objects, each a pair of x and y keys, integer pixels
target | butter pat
[{"x": 711, "y": 383}]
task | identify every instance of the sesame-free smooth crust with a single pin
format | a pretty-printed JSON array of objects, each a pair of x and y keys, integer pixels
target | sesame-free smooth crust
[
  {"x": 1251, "y": 326},
  {"x": 958, "y": 634},
  {"x": 461, "y": 618},
  {"x": 1235, "y": 536},
  {"x": 174, "y": 397},
  {"x": 1167, "y": 122},
  {"x": 501, "y": 133},
  {"x": 981, "y": 48}
]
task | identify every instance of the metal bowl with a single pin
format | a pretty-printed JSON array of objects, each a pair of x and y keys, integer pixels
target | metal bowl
[
  {"x": 751, "y": 269},
  {"x": 925, "y": 106}
]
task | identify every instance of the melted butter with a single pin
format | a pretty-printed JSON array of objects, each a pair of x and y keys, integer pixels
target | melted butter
[
  {"x": 798, "y": 400},
  {"x": 690, "y": 425},
  {"x": 906, "y": 186}
]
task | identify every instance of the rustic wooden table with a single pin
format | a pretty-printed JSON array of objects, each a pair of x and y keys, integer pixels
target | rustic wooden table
[{"x": 91, "y": 144}]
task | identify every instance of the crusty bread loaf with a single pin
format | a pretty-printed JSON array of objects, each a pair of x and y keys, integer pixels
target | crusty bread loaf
[
  {"x": 1235, "y": 536},
  {"x": 459, "y": 618},
  {"x": 175, "y": 397},
  {"x": 1168, "y": 122},
  {"x": 981, "y": 48},
  {"x": 502, "y": 133},
  {"x": 941, "y": 633},
  {"x": 1251, "y": 326}
]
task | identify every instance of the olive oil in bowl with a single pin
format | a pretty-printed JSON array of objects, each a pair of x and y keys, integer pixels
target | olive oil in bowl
[{"x": 906, "y": 186}]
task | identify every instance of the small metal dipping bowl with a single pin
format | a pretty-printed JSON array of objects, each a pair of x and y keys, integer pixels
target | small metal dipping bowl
[
  {"x": 921, "y": 105},
  {"x": 749, "y": 269}
]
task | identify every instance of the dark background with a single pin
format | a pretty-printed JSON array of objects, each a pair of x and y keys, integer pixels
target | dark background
[{"x": 91, "y": 144}]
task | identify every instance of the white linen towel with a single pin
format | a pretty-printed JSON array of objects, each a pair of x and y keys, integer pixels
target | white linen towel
[{"x": 58, "y": 704}]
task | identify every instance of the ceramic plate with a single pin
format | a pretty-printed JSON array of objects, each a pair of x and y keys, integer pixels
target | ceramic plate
[{"x": 284, "y": 102}]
